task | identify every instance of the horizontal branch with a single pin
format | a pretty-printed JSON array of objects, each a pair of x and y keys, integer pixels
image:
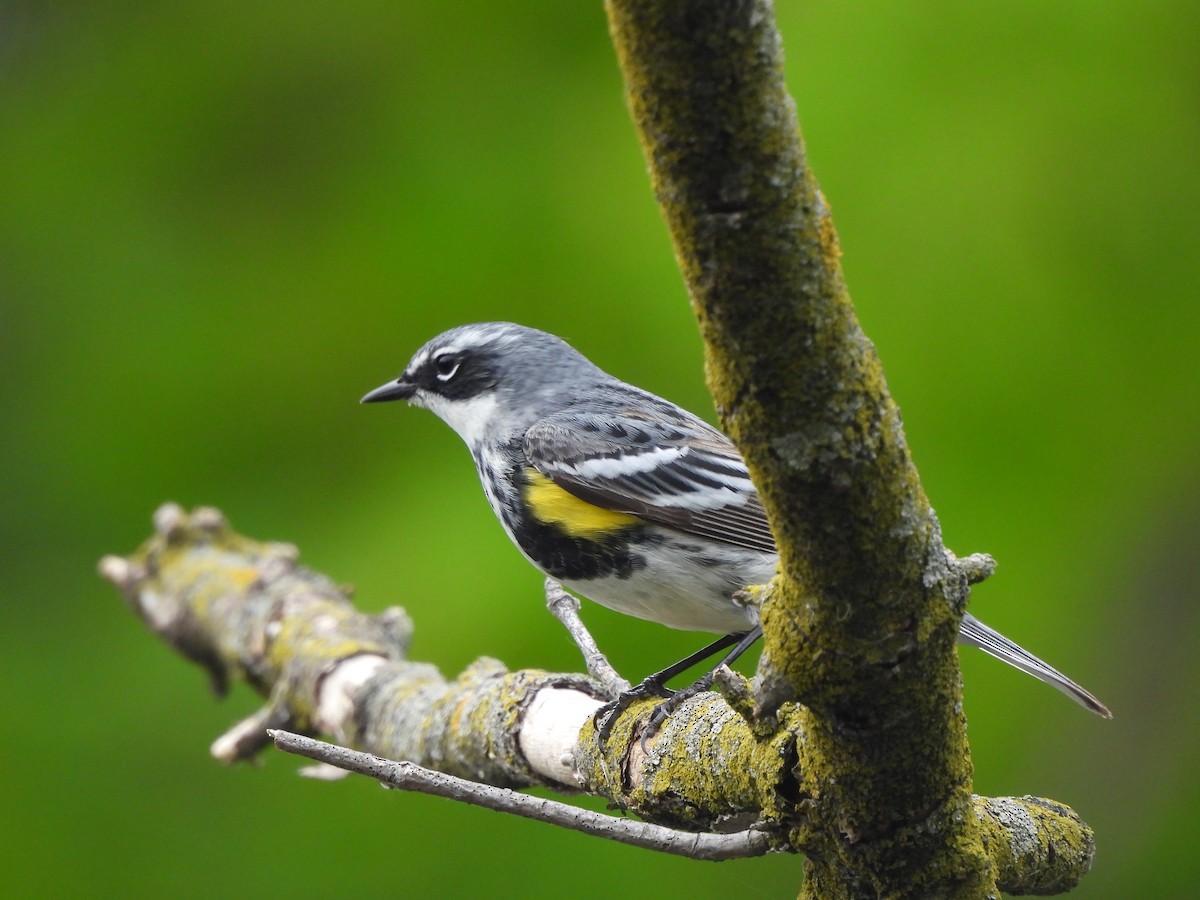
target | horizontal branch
[{"x": 247, "y": 609}]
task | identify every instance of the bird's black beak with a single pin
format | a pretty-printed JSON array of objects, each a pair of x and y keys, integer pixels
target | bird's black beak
[{"x": 400, "y": 389}]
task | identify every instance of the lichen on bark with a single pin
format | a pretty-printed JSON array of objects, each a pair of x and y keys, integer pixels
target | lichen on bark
[{"x": 861, "y": 621}]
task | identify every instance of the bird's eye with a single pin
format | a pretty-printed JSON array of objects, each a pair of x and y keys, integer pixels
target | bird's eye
[{"x": 446, "y": 365}]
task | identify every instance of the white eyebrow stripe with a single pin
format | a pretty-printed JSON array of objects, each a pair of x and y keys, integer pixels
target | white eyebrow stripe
[
  {"x": 629, "y": 464},
  {"x": 500, "y": 339},
  {"x": 489, "y": 336},
  {"x": 414, "y": 364}
]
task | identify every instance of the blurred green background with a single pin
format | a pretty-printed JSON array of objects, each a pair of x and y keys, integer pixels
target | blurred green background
[{"x": 221, "y": 223}]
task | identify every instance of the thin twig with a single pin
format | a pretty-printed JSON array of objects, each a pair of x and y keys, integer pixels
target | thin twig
[
  {"x": 565, "y": 608},
  {"x": 411, "y": 777}
]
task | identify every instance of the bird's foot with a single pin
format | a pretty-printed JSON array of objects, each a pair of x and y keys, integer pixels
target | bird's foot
[
  {"x": 607, "y": 715},
  {"x": 664, "y": 710}
]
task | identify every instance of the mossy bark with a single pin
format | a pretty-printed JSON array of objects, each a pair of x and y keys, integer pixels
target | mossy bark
[
  {"x": 247, "y": 609},
  {"x": 861, "y": 621}
]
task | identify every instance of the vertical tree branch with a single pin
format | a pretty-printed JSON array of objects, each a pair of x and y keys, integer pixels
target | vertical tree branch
[{"x": 861, "y": 624}]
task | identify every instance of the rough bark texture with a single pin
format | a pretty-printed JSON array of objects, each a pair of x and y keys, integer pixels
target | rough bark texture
[
  {"x": 247, "y": 609},
  {"x": 861, "y": 623}
]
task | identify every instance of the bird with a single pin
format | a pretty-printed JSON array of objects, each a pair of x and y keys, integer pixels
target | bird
[{"x": 621, "y": 495}]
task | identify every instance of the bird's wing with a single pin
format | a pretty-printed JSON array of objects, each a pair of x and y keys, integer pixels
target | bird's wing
[{"x": 671, "y": 469}]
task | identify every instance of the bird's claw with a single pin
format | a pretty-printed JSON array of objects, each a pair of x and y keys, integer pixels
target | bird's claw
[
  {"x": 606, "y": 716},
  {"x": 664, "y": 710}
]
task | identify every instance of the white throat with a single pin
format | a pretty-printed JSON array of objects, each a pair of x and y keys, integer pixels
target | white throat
[{"x": 473, "y": 420}]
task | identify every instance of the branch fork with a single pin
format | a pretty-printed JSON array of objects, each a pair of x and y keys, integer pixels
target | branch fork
[{"x": 709, "y": 785}]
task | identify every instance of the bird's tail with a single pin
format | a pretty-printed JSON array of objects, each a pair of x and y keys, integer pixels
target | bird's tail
[{"x": 976, "y": 634}]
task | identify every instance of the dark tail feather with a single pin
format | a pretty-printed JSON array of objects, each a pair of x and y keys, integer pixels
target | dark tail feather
[{"x": 976, "y": 634}]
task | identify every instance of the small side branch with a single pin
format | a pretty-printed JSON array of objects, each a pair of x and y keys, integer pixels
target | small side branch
[
  {"x": 1018, "y": 831},
  {"x": 411, "y": 777}
]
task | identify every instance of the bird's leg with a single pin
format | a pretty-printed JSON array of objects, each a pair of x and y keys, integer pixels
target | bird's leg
[
  {"x": 656, "y": 685},
  {"x": 565, "y": 608},
  {"x": 701, "y": 684}
]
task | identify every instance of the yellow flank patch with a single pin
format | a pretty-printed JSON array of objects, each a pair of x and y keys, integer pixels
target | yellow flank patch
[{"x": 551, "y": 504}]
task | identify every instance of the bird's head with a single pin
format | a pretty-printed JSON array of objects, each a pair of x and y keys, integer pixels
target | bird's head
[{"x": 491, "y": 378}]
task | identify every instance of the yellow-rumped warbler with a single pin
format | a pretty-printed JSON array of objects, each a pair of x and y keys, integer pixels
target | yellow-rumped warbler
[{"x": 622, "y": 496}]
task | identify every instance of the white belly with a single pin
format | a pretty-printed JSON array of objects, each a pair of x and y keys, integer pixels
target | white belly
[{"x": 674, "y": 590}]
